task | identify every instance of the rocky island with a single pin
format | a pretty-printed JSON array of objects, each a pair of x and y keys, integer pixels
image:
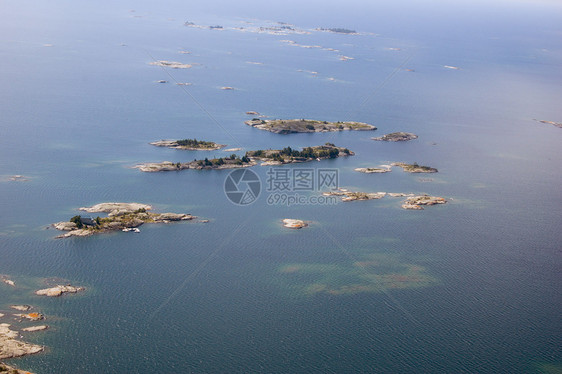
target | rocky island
[
  {"x": 189, "y": 144},
  {"x": 382, "y": 169},
  {"x": 288, "y": 155},
  {"x": 347, "y": 196},
  {"x": 5, "y": 279},
  {"x": 231, "y": 162},
  {"x": 171, "y": 64},
  {"x": 413, "y": 202},
  {"x": 414, "y": 168},
  {"x": 122, "y": 216},
  {"x": 294, "y": 223},
  {"x": 59, "y": 290},
  {"x": 339, "y": 30},
  {"x": 291, "y": 126},
  {"x": 416, "y": 202},
  {"x": 557, "y": 124},
  {"x": 397, "y": 137},
  {"x": 10, "y": 347},
  {"x": 18, "y": 178}
]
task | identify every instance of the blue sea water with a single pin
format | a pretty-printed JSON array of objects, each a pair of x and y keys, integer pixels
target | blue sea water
[{"x": 472, "y": 286}]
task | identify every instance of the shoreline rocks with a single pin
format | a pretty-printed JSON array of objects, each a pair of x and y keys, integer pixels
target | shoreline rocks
[
  {"x": 10, "y": 347},
  {"x": 397, "y": 137},
  {"x": 10, "y": 344}
]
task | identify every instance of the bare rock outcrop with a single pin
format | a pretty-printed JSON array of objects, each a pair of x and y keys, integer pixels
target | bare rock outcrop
[{"x": 59, "y": 290}]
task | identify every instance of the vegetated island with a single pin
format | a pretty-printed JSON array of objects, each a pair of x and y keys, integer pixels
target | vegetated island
[
  {"x": 415, "y": 168},
  {"x": 189, "y": 144},
  {"x": 122, "y": 216},
  {"x": 288, "y": 155},
  {"x": 232, "y": 162},
  {"x": 557, "y": 124},
  {"x": 339, "y": 30},
  {"x": 413, "y": 202},
  {"x": 397, "y": 137},
  {"x": 291, "y": 126}
]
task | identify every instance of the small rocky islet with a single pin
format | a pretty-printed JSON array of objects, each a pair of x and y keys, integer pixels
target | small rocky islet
[
  {"x": 373, "y": 170},
  {"x": 555, "y": 124},
  {"x": 409, "y": 168},
  {"x": 396, "y": 137},
  {"x": 121, "y": 216},
  {"x": 415, "y": 168},
  {"x": 292, "y": 223},
  {"x": 171, "y": 64}
]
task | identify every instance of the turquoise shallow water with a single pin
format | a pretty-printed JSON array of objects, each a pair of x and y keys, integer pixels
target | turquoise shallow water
[{"x": 472, "y": 286}]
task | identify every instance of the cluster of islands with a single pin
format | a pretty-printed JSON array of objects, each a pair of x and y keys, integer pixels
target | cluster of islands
[
  {"x": 275, "y": 156},
  {"x": 413, "y": 201},
  {"x": 128, "y": 217},
  {"x": 11, "y": 343}
]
